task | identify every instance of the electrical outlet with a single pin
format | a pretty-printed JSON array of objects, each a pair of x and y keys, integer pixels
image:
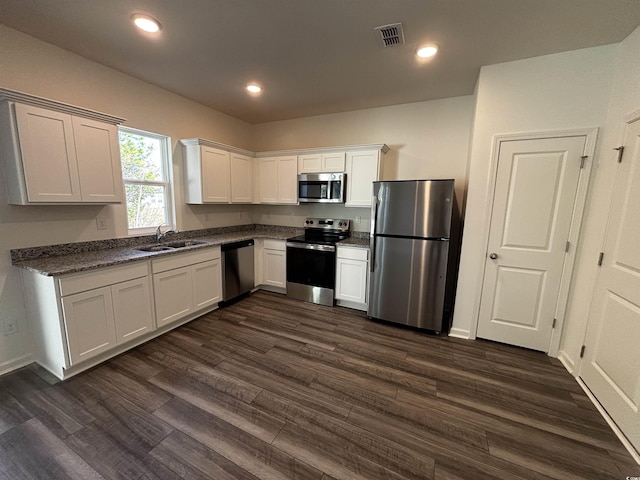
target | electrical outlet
[
  {"x": 10, "y": 327},
  {"x": 358, "y": 220},
  {"x": 101, "y": 223}
]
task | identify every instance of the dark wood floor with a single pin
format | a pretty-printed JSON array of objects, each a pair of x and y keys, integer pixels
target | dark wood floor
[{"x": 272, "y": 388}]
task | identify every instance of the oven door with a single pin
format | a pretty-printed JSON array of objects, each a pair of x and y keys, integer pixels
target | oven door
[{"x": 310, "y": 264}]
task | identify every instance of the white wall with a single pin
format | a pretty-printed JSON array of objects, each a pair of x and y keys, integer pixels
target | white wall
[
  {"x": 426, "y": 140},
  {"x": 38, "y": 68},
  {"x": 554, "y": 92},
  {"x": 625, "y": 98}
]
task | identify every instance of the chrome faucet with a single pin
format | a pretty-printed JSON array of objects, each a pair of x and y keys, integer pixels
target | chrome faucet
[{"x": 160, "y": 235}]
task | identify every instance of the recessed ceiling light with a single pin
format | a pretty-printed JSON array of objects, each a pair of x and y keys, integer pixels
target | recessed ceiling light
[
  {"x": 427, "y": 51},
  {"x": 253, "y": 88},
  {"x": 146, "y": 23}
]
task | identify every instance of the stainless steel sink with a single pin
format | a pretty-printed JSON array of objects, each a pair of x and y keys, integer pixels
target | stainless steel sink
[
  {"x": 170, "y": 245},
  {"x": 155, "y": 248},
  {"x": 183, "y": 243}
]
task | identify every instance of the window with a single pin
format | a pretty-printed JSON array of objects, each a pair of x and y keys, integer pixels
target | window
[{"x": 147, "y": 180}]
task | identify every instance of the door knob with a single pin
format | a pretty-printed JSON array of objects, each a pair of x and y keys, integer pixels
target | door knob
[{"x": 493, "y": 256}]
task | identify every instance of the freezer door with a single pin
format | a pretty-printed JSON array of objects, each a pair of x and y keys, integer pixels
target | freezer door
[
  {"x": 414, "y": 208},
  {"x": 408, "y": 282}
]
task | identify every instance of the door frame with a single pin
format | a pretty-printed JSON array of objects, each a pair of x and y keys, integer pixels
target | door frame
[{"x": 591, "y": 135}]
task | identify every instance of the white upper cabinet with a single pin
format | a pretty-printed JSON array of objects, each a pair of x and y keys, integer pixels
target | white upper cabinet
[
  {"x": 363, "y": 168},
  {"x": 321, "y": 162},
  {"x": 55, "y": 157},
  {"x": 278, "y": 177},
  {"x": 215, "y": 171},
  {"x": 215, "y": 174},
  {"x": 241, "y": 178},
  {"x": 268, "y": 177},
  {"x": 288, "y": 179},
  {"x": 99, "y": 168}
]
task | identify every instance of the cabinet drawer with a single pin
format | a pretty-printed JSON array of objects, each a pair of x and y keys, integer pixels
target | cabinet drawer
[
  {"x": 353, "y": 253},
  {"x": 83, "y": 281},
  {"x": 184, "y": 259},
  {"x": 274, "y": 244}
]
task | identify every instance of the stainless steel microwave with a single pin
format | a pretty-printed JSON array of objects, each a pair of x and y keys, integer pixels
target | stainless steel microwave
[{"x": 321, "y": 187}]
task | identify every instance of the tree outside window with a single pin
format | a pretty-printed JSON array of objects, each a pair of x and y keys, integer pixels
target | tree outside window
[{"x": 145, "y": 170}]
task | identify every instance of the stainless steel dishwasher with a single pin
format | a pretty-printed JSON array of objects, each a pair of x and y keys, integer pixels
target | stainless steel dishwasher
[{"x": 237, "y": 269}]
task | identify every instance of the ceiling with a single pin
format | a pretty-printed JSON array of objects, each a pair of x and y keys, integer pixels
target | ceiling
[{"x": 317, "y": 56}]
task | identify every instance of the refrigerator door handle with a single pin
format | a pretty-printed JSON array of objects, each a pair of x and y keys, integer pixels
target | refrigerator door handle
[{"x": 372, "y": 235}]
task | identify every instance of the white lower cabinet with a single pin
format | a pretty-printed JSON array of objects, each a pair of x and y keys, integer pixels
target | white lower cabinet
[
  {"x": 132, "y": 309},
  {"x": 173, "y": 294},
  {"x": 82, "y": 316},
  {"x": 352, "y": 277},
  {"x": 96, "y": 320},
  {"x": 274, "y": 264},
  {"x": 89, "y": 322},
  {"x": 81, "y": 319},
  {"x": 186, "y": 283}
]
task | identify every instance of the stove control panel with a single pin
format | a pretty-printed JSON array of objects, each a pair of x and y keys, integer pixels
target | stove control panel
[{"x": 327, "y": 224}]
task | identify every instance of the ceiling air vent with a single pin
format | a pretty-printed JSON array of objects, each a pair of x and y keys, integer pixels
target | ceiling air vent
[{"x": 390, "y": 35}]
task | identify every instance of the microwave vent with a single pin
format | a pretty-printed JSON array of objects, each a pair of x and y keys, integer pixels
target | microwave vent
[{"x": 390, "y": 35}]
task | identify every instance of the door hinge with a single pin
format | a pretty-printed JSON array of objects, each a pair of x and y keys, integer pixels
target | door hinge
[
  {"x": 582, "y": 351},
  {"x": 567, "y": 246},
  {"x": 620, "y": 150},
  {"x": 553, "y": 325},
  {"x": 583, "y": 159},
  {"x": 600, "y": 258}
]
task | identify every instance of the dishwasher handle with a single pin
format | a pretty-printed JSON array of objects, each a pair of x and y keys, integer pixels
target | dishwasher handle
[{"x": 235, "y": 245}]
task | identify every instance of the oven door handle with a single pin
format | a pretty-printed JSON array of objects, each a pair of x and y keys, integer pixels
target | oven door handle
[{"x": 309, "y": 246}]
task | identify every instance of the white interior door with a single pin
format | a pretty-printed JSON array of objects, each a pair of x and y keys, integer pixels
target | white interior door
[
  {"x": 535, "y": 192},
  {"x": 611, "y": 365}
]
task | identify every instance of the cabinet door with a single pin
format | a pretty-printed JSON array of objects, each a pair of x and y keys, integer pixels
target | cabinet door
[
  {"x": 215, "y": 175},
  {"x": 275, "y": 268},
  {"x": 333, "y": 162},
  {"x": 268, "y": 180},
  {"x": 48, "y": 155},
  {"x": 207, "y": 283},
  {"x": 173, "y": 294},
  {"x": 351, "y": 280},
  {"x": 89, "y": 322},
  {"x": 241, "y": 178},
  {"x": 288, "y": 179},
  {"x": 98, "y": 154},
  {"x": 132, "y": 309},
  {"x": 310, "y": 163},
  {"x": 362, "y": 170}
]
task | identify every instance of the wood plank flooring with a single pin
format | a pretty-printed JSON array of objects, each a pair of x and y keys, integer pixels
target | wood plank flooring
[{"x": 273, "y": 388}]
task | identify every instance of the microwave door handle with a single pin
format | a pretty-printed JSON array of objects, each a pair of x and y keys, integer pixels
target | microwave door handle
[{"x": 372, "y": 235}]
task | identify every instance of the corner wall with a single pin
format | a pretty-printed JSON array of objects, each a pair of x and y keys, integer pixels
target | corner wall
[{"x": 555, "y": 92}]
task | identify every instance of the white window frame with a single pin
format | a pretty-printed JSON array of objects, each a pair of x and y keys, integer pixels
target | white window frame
[{"x": 167, "y": 165}]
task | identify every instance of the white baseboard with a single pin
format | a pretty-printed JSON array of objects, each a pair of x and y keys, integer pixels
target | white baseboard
[
  {"x": 610, "y": 422},
  {"x": 460, "y": 333},
  {"x": 567, "y": 362},
  {"x": 16, "y": 363}
]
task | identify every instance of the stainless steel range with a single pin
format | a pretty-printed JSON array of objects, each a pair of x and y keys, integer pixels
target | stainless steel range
[{"x": 311, "y": 260}]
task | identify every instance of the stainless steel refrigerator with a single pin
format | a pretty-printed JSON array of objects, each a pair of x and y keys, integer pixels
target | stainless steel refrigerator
[{"x": 411, "y": 223}]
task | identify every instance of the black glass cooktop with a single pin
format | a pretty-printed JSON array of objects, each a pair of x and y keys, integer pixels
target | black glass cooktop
[{"x": 324, "y": 239}]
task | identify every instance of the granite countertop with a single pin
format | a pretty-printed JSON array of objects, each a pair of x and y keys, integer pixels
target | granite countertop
[
  {"x": 71, "y": 258},
  {"x": 356, "y": 241}
]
